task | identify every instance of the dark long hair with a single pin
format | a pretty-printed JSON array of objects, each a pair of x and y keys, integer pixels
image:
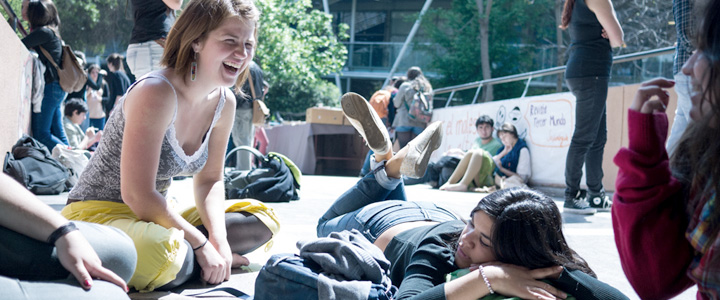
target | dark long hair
[
  {"x": 42, "y": 13},
  {"x": 697, "y": 157},
  {"x": 528, "y": 230},
  {"x": 567, "y": 14}
]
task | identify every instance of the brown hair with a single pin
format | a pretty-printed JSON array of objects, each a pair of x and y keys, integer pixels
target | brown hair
[
  {"x": 419, "y": 81},
  {"x": 198, "y": 19},
  {"x": 697, "y": 157},
  {"x": 509, "y": 128},
  {"x": 116, "y": 60},
  {"x": 567, "y": 14},
  {"x": 43, "y": 13}
]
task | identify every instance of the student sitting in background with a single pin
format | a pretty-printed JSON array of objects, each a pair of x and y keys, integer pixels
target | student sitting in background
[{"x": 75, "y": 113}]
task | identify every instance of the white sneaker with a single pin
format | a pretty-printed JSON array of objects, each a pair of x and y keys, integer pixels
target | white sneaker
[
  {"x": 366, "y": 121},
  {"x": 419, "y": 149}
]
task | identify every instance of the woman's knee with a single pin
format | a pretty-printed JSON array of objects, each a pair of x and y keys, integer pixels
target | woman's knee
[{"x": 114, "y": 248}]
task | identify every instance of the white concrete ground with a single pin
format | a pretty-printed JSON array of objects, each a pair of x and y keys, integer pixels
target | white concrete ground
[{"x": 591, "y": 237}]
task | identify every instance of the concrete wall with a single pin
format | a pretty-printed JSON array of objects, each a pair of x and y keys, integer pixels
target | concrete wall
[
  {"x": 546, "y": 123},
  {"x": 15, "y": 87}
]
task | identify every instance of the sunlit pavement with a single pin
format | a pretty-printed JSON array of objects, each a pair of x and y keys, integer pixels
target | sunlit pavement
[{"x": 590, "y": 236}]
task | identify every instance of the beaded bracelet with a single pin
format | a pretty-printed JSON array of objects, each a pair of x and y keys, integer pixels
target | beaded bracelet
[
  {"x": 203, "y": 245},
  {"x": 487, "y": 282},
  {"x": 60, "y": 231}
]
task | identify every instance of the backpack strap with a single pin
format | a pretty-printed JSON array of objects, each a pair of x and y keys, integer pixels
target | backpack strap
[{"x": 47, "y": 55}]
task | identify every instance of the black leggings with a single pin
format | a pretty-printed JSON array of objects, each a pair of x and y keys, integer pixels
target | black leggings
[{"x": 245, "y": 233}]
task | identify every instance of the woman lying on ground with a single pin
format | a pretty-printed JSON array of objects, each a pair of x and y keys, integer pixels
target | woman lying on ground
[
  {"x": 40, "y": 249},
  {"x": 512, "y": 242},
  {"x": 511, "y": 164},
  {"x": 172, "y": 122},
  {"x": 665, "y": 214}
]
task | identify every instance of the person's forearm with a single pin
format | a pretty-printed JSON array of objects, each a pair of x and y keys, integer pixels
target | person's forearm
[
  {"x": 24, "y": 213},
  {"x": 468, "y": 287},
  {"x": 154, "y": 208},
  {"x": 209, "y": 199}
]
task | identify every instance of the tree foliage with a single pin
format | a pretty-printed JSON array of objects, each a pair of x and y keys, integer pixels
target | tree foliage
[
  {"x": 92, "y": 26},
  {"x": 296, "y": 47},
  {"x": 517, "y": 30}
]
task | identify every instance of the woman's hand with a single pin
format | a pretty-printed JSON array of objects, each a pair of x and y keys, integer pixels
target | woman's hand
[
  {"x": 652, "y": 96},
  {"x": 78, "y": 257},
  {"x": 512, "y": 280},
  {"x": 213, "y": 265},
  {"x": 223, "y": 247}
]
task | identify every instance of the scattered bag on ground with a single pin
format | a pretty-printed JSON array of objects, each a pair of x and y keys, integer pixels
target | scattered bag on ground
[
  {"x": 31, "y": 164},
  {"x": 271, "y": 181},
  {"x": 74, "y": 160},
  {"x": 344, "y": 265},
  {"x": 72, "y": 75},
  {"x": 419, "y": 108}
]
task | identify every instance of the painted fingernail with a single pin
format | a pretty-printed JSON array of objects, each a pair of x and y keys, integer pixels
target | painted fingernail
[{"x": 87, "y": 283}]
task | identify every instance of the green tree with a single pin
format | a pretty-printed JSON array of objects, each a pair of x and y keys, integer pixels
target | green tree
[
  {"x": 518, "y": 29},
  {"x": 92, "y": 26},
  {"x": 296, "y": 47}
]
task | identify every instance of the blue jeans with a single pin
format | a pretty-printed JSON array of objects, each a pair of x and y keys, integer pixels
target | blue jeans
[
  {"x": 47, "y": 125},
  {"x": 30, "y": 269},
  {"x": 588, "y": 141},
  {"x": 366, "y": 164},
  {"x": 98, "y": 123},
  {"x": 368, "y": 207}
]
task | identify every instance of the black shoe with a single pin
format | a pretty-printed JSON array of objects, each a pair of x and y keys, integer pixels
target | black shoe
[
  {"x": 578, "y": 205},
  {"x": 600, "y": 201}
]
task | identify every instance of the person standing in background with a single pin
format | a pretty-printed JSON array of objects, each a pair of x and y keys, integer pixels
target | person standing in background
[
  {"x": 406, "y": 128},
  {"x": 44, "y": 34},
  {"x": 685, "y": 27},
  {"x": 594, "y": 31},
  {"x": 118, "y": 81},
  {"x": 243, "y": 130},
  {"x": 152, "y": 22},
  {"x": 94, "y": 96}
]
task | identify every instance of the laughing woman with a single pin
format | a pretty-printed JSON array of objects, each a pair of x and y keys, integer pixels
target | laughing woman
[{"x": 172, "y": 122}]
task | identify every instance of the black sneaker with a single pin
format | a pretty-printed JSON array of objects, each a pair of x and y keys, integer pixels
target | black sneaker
[
  {"x": 600, "y": 202},
  {"x": 578, "y": 205}
]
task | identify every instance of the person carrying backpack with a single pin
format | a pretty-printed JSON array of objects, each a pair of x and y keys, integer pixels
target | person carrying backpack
[
  {"x": 44, "y": 22},
  {"x": 406, "y": 128}
]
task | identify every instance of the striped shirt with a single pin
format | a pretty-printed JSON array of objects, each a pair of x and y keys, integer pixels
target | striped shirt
[{"x": 685, "y": 27}]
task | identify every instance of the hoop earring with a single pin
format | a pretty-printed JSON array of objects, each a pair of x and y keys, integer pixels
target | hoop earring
[{"x": 193, "y": 69}]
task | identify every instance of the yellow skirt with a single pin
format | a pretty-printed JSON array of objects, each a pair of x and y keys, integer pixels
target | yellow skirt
[{"x": 161, "y": 250}]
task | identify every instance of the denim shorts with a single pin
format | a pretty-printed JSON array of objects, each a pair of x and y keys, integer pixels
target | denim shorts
[{"x": 373, "y": 219}]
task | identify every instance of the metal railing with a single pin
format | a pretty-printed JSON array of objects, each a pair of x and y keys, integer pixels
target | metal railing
[{"x": 545, "y": 72}]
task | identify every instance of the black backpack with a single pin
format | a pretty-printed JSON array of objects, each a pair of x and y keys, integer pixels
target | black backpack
[
  {"x": 271, "y": 181},
  {"x": 31, "y": 164}
]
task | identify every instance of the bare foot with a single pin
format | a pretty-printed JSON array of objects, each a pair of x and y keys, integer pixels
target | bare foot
[
  {"x": 458, "y": 187},
  {"x": 239, "y": 261}
]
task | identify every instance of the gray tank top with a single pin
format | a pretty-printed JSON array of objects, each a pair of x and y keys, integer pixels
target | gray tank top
[{"x": 101, "y": 178}]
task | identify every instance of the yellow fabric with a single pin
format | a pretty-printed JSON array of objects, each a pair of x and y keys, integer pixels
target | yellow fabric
[{"x": 161, "y": 250}]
